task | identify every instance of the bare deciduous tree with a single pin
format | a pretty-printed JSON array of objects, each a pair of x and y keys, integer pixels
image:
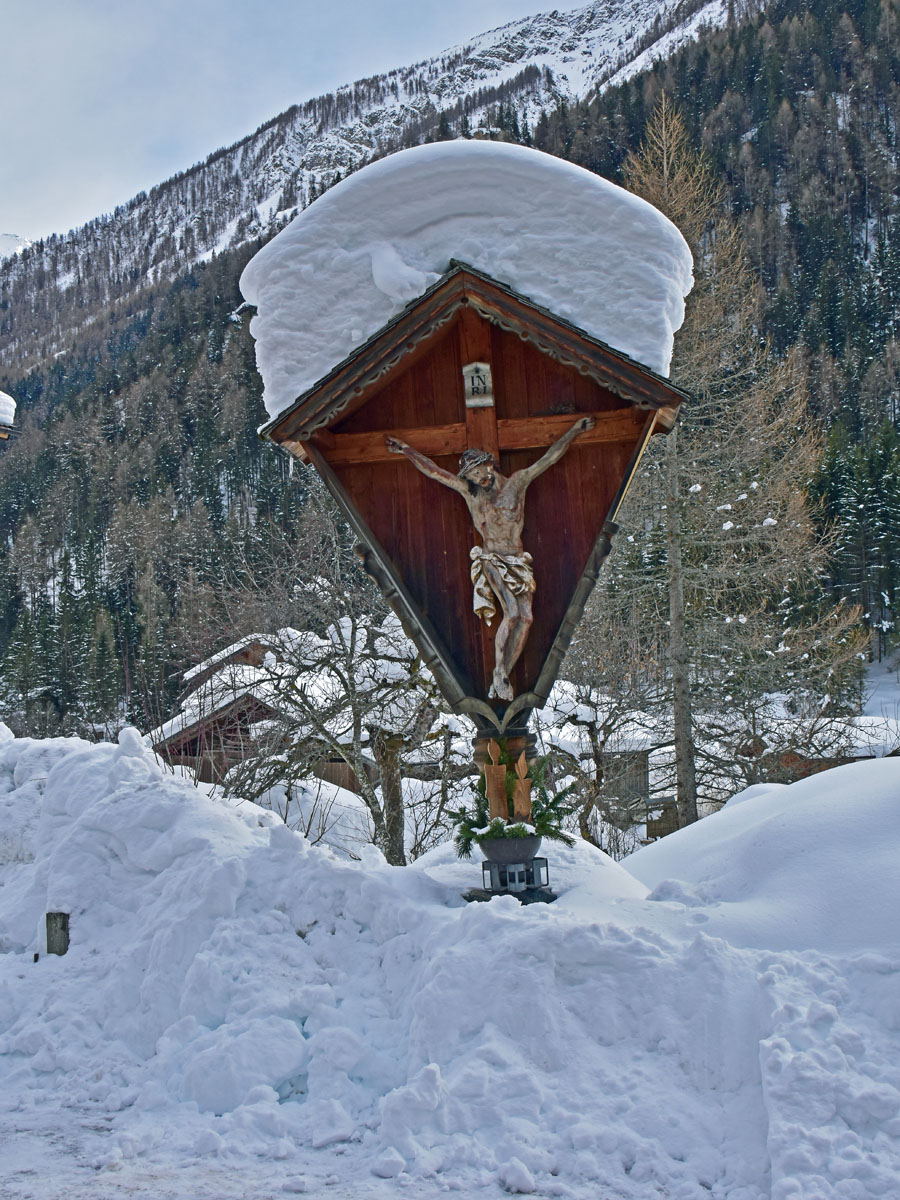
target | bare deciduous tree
[{"x": 344, "y": 684}]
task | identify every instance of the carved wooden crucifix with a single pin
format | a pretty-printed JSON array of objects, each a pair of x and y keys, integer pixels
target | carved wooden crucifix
[
  {"x": 501, "y": 568},
  {"x": 471, "y": 367}
]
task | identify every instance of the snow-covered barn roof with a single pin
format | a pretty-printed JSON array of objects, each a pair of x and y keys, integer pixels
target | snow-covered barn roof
[
  {"x": 570, "y": 241},
  {"x": 7, "y": 409},
  {"x": 250, "y": 650}
]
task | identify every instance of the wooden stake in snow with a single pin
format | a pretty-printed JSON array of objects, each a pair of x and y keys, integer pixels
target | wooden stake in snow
[{"x": 57, "y": 932}]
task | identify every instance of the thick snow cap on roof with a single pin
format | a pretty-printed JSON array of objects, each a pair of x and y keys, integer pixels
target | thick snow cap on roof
[
  {"x": 570, "y": 241},
  {"x": 7, "y": 409}
]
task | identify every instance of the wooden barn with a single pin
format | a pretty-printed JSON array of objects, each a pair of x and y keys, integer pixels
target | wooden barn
[
  {"x": 210, "y": 741},
  {"x": 224, "y": 699},
  {"x": 219, "y": 706}
]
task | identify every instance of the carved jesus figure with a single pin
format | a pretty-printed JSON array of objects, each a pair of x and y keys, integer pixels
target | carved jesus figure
[{"x": 501, "y": 567}]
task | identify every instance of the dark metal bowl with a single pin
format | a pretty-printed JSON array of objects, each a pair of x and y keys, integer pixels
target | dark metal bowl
[{"x": 507, "y": 850}]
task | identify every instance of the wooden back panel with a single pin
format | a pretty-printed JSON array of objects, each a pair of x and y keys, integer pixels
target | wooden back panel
[{"x": 426, "y": 529}]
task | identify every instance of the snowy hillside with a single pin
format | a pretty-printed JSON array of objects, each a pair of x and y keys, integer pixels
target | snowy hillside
[
  {"x": 11, "y": 243},
  {"x": 243, "y": 1009},
  {"x": 247, "y": 190}
]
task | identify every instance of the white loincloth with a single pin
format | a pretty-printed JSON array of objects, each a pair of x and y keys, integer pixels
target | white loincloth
[{"x": 515, "y": 570}]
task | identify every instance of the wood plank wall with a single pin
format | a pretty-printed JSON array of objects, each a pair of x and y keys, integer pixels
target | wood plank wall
[{"x": 426, "y": 528}]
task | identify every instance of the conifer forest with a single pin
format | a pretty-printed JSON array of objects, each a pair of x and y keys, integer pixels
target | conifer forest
[{"x": 145, "y": 524}]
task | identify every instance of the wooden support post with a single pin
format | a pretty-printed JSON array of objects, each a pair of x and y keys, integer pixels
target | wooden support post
[
  {"x": 57, "y": 932},
  {"x": 520, "y": 750}
]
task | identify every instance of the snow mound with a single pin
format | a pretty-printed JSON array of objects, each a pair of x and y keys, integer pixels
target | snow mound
[
  {"x": 810, "y": 865},
  {"x": 234, "y": 995},
  {"x": 569, "y": 240}
]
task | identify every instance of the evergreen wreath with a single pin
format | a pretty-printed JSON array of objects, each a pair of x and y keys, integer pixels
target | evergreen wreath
[{"x": 547, "y": 812}]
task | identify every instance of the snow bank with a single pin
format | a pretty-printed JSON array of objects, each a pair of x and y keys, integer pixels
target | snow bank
[
  {"x": 575, "y": 243},
  {"x": 810, "y": 865},
  {"x": 233, "y": 995}
]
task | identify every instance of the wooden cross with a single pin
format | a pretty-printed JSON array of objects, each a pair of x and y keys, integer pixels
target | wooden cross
[{"x": 480, "y": 430}]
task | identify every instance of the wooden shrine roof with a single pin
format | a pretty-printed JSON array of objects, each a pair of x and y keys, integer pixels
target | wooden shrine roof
[
  {"x": 407, "y": 382},
  {"x": 398, "y": 342}
]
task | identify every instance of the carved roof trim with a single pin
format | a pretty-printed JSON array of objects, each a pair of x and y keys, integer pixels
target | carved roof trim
[{"x": 348, "y": 383}]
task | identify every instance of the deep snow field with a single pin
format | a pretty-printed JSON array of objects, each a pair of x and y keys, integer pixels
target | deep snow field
[{"x": 241, "y": 1014}]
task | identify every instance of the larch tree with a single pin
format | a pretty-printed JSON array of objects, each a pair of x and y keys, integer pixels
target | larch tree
[{"x": 720, "y": 559}]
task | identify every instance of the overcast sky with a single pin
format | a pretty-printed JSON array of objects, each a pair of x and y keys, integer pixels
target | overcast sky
[{"x": 104, "y": 98}]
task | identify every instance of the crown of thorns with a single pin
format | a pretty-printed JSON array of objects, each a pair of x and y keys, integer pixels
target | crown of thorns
[{"x": 472, "y": 459}]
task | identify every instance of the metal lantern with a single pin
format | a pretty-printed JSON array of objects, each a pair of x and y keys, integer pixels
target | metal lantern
[{"x": 515, "y": 877}]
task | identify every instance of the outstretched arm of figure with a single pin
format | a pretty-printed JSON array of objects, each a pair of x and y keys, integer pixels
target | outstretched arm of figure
[
  {"x": 424, "y": 464},
  {"x": 554, "y": 454}
]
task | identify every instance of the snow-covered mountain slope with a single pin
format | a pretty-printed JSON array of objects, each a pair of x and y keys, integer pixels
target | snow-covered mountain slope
[
  {"x": 11, "y": 243},
  {"x": 246, "y": 191}
]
